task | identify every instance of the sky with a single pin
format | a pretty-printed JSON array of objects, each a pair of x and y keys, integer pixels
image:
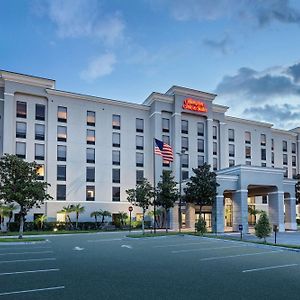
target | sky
[{"x": 245, "y": 51}]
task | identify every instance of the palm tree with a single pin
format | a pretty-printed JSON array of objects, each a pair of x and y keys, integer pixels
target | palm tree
[
  {"x": 78, "y": 209},
  {"x": 104, "y": 213},
  {"x": 4, "y": 212},
  {"x": 95, "y": 214},
  {"x": 40, "y": 220},
  {"x": 66, "y": 210},
  {"x": 123, "y": 216}
]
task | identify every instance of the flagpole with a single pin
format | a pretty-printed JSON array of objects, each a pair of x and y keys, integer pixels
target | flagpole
[{"x": 154, "y": 183}]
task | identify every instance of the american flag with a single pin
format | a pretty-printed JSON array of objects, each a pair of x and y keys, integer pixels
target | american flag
[{"x": 163, "y": 150}]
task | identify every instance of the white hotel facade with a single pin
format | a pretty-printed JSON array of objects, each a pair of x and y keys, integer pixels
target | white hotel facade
[{"x": 92, "y": 149}]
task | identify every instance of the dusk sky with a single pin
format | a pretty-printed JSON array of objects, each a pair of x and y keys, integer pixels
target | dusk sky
[{"x": 246, "y": 51}]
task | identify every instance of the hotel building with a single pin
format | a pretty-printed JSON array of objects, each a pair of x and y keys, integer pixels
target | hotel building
[{"x": 92, "y": 149}]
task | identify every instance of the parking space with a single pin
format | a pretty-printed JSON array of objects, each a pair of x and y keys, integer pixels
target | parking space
[{"x": 111, "y": 266}]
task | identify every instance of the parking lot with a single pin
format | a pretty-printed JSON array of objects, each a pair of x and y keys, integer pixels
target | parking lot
[{"x": 111, "y": 266}]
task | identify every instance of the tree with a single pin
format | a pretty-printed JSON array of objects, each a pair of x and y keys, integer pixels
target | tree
[
  {"x": 123, "y": 216},
  {"x": 95, "y": 214},
  {"x": 263, "y": 227},
  {"x": 78, "y": 209},
  {"x": 253, "y": 211},
  {"x": 4, "y": 212},
  {"x": 19, "y": 184},
  {"x": 104, "y": 213},
  {"x": 202, "y": 187},
  {"x": 167, "y": 193},
  {"x": 297, "y": 189},
  {"x": 67, "y": 210},
  {"x": 40, "y": 220},
  {"x": 201, "y": 226},
  {"x": 11, "y": 207},
  {"x": 141, "y": 196}
]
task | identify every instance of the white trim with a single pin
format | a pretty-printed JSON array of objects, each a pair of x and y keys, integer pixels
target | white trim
[
  {"x": 9, "y": 94},
  {"x": 176, "y": 114},
  {"x": 154, "y": 113},
  {"x": 275, "y": 193},
  {"x": 184, "y": 91},
  {"x": 245, "y": 121},
  {"x": 208, "y": 119},
  {"x": 241, "y": 191}
]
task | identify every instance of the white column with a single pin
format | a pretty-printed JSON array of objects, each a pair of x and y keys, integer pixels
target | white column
[
  {"x": 276, "y": 209},
  {"x": 223, "y": 146},
  {"x": 9, "y": 124},
  {"x": 290, "y": 213},
  {"x": 219, "y": 213},
  {"x": 240, "y": 210},
  {"x": 174, "y": 224},
  {"x": 176, "y": 144},
  {"x": 209, "y": 142},
  {"x": 190, "y": 216}
]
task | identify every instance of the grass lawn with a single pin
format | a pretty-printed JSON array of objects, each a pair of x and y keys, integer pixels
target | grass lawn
[{"x": 15, "y": 240}]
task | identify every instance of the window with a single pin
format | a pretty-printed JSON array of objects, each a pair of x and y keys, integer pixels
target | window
[
  {"x": 200, "y": 160},
  {"x": 61, "y": 153},
  {"x": 90, "y": 174},
  {"x": 200, "y": 145},
  {"x": 185, "y": 160},
  {"x": 90, "y": 155},
  {"x": 116, "y": 122},
  {"x": 294, "y": 161},
  {"x": 139, "y": 142},
  {"x": 165, "y": 125},
  {"x": 21, "y": 149},
  {"x": 115, "y": 193},
  {"x": 263, "y": 139},
  {"x": 40, "y": 112},
  {"x": 285, "y": 159},
  {"x": 21, "y": 130},
  {"x": 61, "y": 172},
  {"x": 21, "y": 109},
  {"x": 184, "y": 126},
  {"x": 61, "y": 192},
  {"x": 1, "y": 92},
  {"x": 215, "y": 148},
  {"x": 116, "y": 175},
  {"x": 231, "y": 135},
  {"x": 116, "y": 157},
  {"x": 139, "y": 159},
  {"x": 247, "y": 137},
  {"x": 263, "y": 154},
  {"x": 116, "y": 139},
  {"x": 200, "y": 129},
  {"x": 139, "y": 176},
  {"x": 286, "y": 172},
  {"x": 272, "y": 144},
  {"x": 184, "y": 143},
  {"x": 40, "y": 170},
  {"x": 61, "y": 133},
  {"x": 294, "y": 173},
  {"x": 272, "y": 157},
  {"x": 139, "y": 124},
  {"x": 90, "y": 118},
  {"x": 166, "y": 139},
  {"x": 62, "y": 114},
  {"x": 293, "y": 147},
  {"x": 263, "y": 164},
  {"x": 215, "y": 132},
  {"x": 215, "y": 163},
  {"x": 248, "y": 152},
  {"x": 284, "y": 146},
  {"x": 248, "y": 163},
  {"x": 90, "y": 137},
  {"x": 39, "y": 132},
  {"x": 231, "y": 162},
  {"x": 185, "y": 175},
  {"x": 231, "y": 150},
  {"x": 90, "y": 193},
  {"x": 264, "y": 199},
  {"x": 39, "y": 151}
]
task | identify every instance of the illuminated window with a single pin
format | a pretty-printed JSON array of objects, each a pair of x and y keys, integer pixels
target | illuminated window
[
  {"x": 184, "y": 126},
  {"x": 116, "y": 157},
  {"x": 231, "y": 135},
  {"x": 39, "y": 132},
  {"x": 91, "y": 118},
  {"x": 116, "y": 175},
  {"x": 61, "y": 192},
  {"x": 90, "y": 155},
  {"x": 90, "y": 174},
  {"x": 200, "y": 129},
  {"x": 21, "y": 109},
  {"x": 61, "y": 133},
  {"x": 40, "y": 170},
  {"x": 184, "y": 143},
  {"x": 90, "y": 193},
  {"x": 116, "y": 122},
  {"x": 139, "y": 125},
  {"x": 39, "y": 151},
  {"x": 116, "y": 139},
  {"x": 247, "y": 137},
  {"x": 231, "y": 150},
  {"x": 115, "y": 193},
  {"x": 90, "y": 137},
  {"x": 40, "y": 112},
  {"x": 263, "y": 139},
  {"x": 139, "y": 142},
  {"x": 165, "y": 125},
  {"x": 61, "y": 153},
  {"x": 21, "y": 149},
  {"x": 21, "y": 130},
  {"x": 62, "y": 114},
  {"x": 61, "y": 173},
  {"x": 139, "y": 159}
]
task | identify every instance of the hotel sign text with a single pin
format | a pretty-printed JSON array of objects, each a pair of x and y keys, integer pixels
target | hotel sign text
[{"x": 194, "y": 105}]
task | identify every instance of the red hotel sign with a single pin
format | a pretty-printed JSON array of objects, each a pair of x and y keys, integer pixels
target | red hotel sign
[{"x": 194, "y": 105}]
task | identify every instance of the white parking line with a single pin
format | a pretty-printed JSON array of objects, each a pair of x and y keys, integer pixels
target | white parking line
[
  {"x": 269, "y": 268},
  {"x": 32, "y": 252},
  {"x": 104, "y": 240},
  {"x": 24, "y": 260},
  {"x": 239, "y": 255},
  {"x": 31, "y": 291},
  {"x": 178, "y": 245},
  {"x": 206, "y": 249},
  {"x": 31, "y": 271}
]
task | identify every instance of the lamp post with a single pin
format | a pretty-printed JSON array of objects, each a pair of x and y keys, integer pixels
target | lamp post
[{"x": 180, "y": 184}]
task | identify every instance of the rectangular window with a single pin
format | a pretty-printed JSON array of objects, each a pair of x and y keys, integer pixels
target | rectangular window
[
  {"x": 139, "y": 125},
  {"x": 200, "y": 129},
  {"x": 90, "y": 118},
  {"x": 90, "y": 155},
  {"x": 184, "y": 143},
  {"x": 272, "y": 144},
  {"x": 116, "y": 175},
  {"x": 200, "y": 145},
  {"x": 139, "y": 176},
  {"x": 200, "y": 160},
  {"x": 116, "y": 139},
  {"x": 248, "y": 163},
  {"x": 166, "y": 139},
  {"x": 21, "y": 130},
  {"x": 264, "y": 199},
  {"x": 61, "y": 172},
  {"x": 39, "y": 151},
  {"x": 231, "y": 135},
  {"x": 247, "y": 137},
  {"x": 284, "y": 146},
  {"x": 116, "y": 194},
  {"x": 215, "y": 132},
  {"x": 286, "y": 172},
  {"x": 263, "y": 139},
  {"x": 61, "y": 153},
  {"x": 231, "y": 150},
  {"x": 62, "y": 114},
  {"x": 184, "y": 126},
  {"x": 215, "y": 148},
  {"x": 215, "y": 163},
  {"x": 294, "y": 161},
  {"x": 90, "y": 137},
  {"x": 116, "y": 159},
  {"x": 21, "y": 149},
  {"x": 21, "y": 109},
  {"x": 294, "y": 173},
  {"x": 263, "y": 164},
  {"x": 116, "y": 122},
  {"x": 293, "y": 147},
  {"x": 40, "y": 112},
  {"x": 90, "y": 174},
  {"x": 285, "y": 159},
  {"x": 139, "y": 140},
  {"x": 40, "y": 170},
  {"x": 165, "y": 125},
  {"x": 263, "y": 154},
  {"x": 61, "y": 133},
  {"x": 90, "y": 193},
  {"x": 185, "y": 175},
  {"x": 272, "y": 157},
  {"x": 185, "y": 160},
  {"x": 39, "y": 132},
  {"x": 248, "y": 152},
  {"x": 61, "y": 192},
  {"x": 231, "y": 162},
  {"x": 139, "y": 159}
]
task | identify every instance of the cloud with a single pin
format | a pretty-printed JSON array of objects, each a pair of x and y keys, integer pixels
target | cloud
[
  {"x": 221, "y": 46},
  {"x": 99, "y": 66},
  {"x": 294, "y": 71}
]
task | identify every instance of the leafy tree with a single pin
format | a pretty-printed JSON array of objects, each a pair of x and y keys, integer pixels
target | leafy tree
[
  {"x": 201, "y": 226},
  {"x": 297, "y": 189},
  {"x": 202, "y": 187},
  {"x": 263, "y": 227},
  {"x": 19, "y": 184},
  {"x": 11, "y": 207},
  {"x": 4, "y": 212},
  {"x": 104, "y": 213},
  {"x": 95, "y": 214},
  {"x": 40, "y": 220},
  {"x": 123, "y": 216},
  {"x": 167, "y": 193},
  {"x": 78, "y": 209},
  {"x": 141, "y": 196}
]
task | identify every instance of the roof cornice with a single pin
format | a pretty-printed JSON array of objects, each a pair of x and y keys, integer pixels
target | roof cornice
[
  {"x": 158, "y": 96},
  {"x": 249, "y": 122},
  {"x": 282, "y": 131},
  {"x": 180, "y": 90},
  {"x": 219, "y": 108}
]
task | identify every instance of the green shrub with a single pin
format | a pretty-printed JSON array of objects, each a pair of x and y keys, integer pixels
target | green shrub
[
  {"x": 263, "y": 227},
  {"x": 201, "y": 226}
]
